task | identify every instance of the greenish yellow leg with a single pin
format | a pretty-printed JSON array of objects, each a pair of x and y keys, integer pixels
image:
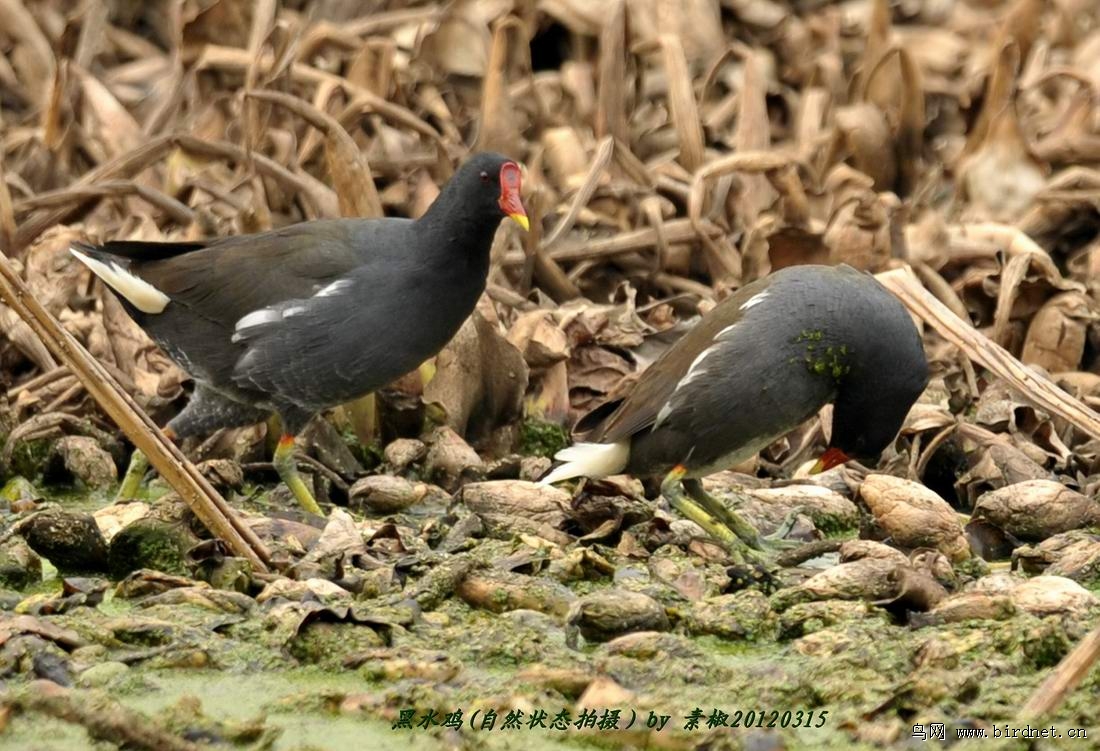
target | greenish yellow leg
[
  {"x": 720, "y": 511},
  {"x": 672, "y": 489},
  {"x": 135, "y": 473},
  {"x": 288, "y": 471}
]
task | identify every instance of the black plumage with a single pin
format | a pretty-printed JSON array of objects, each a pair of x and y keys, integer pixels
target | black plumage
[
  {"x": 758, "y": 365},
  {"x": 308, "y": 316}
]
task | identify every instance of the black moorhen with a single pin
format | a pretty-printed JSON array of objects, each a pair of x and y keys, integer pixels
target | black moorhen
[
  {"x": 759, "y": 364},
  {"x": 299, "y": 319}
]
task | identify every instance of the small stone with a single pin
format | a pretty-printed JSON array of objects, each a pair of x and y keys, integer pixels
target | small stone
[
  {"x": 568, "y": 681},
  {"x": 112, "y": 519},
  {"x": 830, "y": 511},
  {"x": 1037, "y": 509},
  {"x": 532, "y": 468},
  {"x": 20, "y": 490},
  {"x": 603, "y": 615},
  {"x": 807, "y": 617},
  {"x": 151, "y": 543},
  {"x": 387, "y": 494},
  {"x": 500, "y": 591},
  {"x": 226, "y": 572},
  {"x": 450, "y": 459},
  {"x": 19, "y": 566},
  {"x": 914, "y": 516},
  {"x": 742, "y": 616},
  {"x": 102, "y": 674},
  {"x": 83, "y": 460},
  {"x": 854, "y": 550},
  {"x": 223, "y": 474},
  {"x": 514, "y": 506},
  {"x": 864, "y": 579},
  {"x": 1040, "y": 595},
  {"x": 970, "y": 606},
  {"x": 402, "y": 452},
  {"x": 70, "y": 541}
]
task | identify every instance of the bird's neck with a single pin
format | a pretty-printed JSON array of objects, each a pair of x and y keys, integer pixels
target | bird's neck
[{"x": 458, "y": 234}]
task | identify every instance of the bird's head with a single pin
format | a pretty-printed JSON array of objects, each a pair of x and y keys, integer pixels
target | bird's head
[
  {"x": 885, "y": 379},
  {"x": 493, "y": 183}
]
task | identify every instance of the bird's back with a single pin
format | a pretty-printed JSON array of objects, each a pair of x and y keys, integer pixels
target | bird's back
[{"x": 761, "y": 363}]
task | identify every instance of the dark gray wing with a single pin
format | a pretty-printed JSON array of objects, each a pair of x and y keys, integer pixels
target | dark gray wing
[
  {"x": 643, "y": 405},
  {"x": 355, "y": 334},
  {"x": 235, "y": 276}
]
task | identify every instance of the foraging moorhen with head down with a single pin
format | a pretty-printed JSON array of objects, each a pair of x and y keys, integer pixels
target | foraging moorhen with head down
[
  {"x": 759, "y": 364},
  {"x": 303, "y": 318}
]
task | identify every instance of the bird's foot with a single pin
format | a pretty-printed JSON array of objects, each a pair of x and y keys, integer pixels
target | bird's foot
[
  {"x": 719, "y": 510},
  {"x": 735, "y": 534},
  {"x": 778, "y": 538},
  {"x": 135, "y": 473},
  {"x": 288, "y": 472}
]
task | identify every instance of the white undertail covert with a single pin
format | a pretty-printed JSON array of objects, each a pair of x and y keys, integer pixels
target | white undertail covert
[
  {"x": 589, "y": 460},
  {"x": 142, "y": 295}
]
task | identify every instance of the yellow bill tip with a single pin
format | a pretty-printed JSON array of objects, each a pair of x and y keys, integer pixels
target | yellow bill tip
[{"x": 521, "y": 220}]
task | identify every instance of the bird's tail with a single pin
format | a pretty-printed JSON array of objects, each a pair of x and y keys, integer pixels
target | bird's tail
[
  {"x": 142, "y": 295},
  {"x": 589, "y": 460}
]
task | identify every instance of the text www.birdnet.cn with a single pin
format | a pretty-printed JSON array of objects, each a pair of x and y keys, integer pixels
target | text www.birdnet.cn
[{"x": 937, "y": 731}]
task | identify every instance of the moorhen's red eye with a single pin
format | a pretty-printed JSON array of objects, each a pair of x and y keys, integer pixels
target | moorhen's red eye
[{"x": 485, "y": 177}]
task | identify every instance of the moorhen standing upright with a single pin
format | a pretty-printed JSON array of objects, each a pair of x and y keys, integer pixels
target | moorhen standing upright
[
  {"x": 759, "y": 364},
  {"x": 302, "y": 318}
]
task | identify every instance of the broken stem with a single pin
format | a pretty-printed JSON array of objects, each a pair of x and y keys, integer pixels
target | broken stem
[
  {"x": 1029, "y": 382},
  {"x": 185, "y": 479}
]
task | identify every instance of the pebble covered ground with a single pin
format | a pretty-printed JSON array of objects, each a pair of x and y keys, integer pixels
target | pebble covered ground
[{"x": 672, "y": 152}]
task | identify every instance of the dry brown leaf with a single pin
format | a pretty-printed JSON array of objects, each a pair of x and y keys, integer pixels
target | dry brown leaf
[
  {"x": 1057, "y": 333},
  {"x": 913, "y": 516},
  {"x": 480, "y": 379},
  {"x": 461, "y": 42},
  {"x": 1001, "y": 176},
  {"x": 1037, "y": 509},
  {"x": 539, "y": 339}
]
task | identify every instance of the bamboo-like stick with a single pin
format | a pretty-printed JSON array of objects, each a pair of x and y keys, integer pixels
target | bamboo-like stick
[
  {"x": 185, "y": 479},
  {"x": 1032, "y": 384},
  {"x": 1066, "y": 676}
]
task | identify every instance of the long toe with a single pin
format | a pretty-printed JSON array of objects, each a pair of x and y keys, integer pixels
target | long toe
[
  {"x": 777, "y": 540},
  {"x": 730, "y": 535}
]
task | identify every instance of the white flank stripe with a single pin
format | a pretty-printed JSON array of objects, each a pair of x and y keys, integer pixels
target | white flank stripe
[
  {"x": 335, "y": 288},
  {"x": 756, "y": 299},
  {"x": 691, "y": 376},
  {"x": 294, "y": 310},
  {"x": 695, "y": 370},
  {"x": 722, "y": 335},
  {"x": 699, "y": 359},
  {"x": 258, "y": 318},
  {"x": 589, "y": 460},
  {"x": 666, "y": 410},
  {"x": 142, "y": 295}
]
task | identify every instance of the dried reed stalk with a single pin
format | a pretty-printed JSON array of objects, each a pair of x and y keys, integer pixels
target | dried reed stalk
[
  {"x": 1030, "y": 383},
  {"x": 1066, "y": 677},
  {"x": 185, "y": 479}
]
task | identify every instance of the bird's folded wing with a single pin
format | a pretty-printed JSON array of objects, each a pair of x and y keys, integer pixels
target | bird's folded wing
[
  {"x": 228, "y": 279},
  {"x": 659, "y": 389}
]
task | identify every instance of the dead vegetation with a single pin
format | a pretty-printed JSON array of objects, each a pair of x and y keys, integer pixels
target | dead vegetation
[{"x": 673, "y": 151}]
